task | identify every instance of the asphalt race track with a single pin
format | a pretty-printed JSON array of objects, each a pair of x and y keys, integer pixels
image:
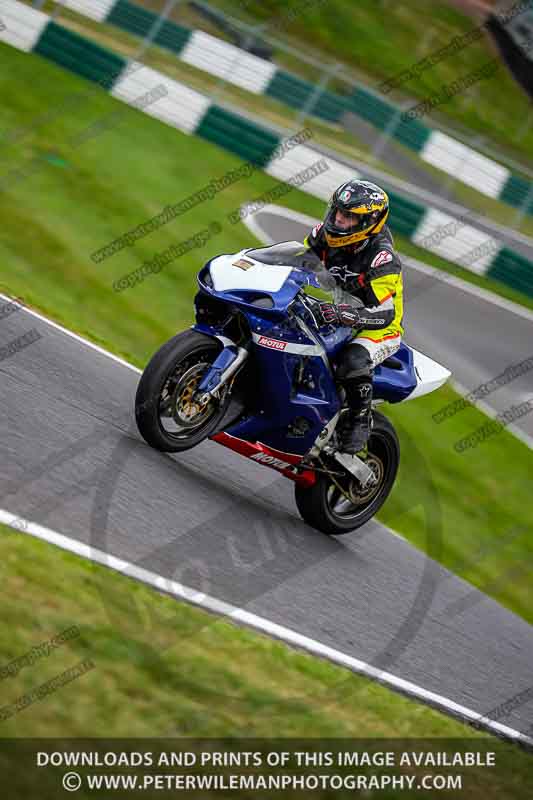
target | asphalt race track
[{"x": 71, "y": 459}]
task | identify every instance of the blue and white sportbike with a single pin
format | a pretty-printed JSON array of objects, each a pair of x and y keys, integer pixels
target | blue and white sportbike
[{"x": 256, "y": 373}]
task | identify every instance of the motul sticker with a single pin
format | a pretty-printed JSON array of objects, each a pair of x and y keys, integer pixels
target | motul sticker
[
  {"x": 382, "y": 258},
  {"x": 264, "y": 458},
  {"x": 274, "y": 344}
]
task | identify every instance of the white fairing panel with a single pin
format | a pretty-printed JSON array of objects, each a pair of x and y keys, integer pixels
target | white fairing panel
[
  {"x": 430, "y": 375},
  {"x": 226, "y": 276}
]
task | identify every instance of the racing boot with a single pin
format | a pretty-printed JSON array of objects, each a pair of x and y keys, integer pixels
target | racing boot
[{"x": 358, "y": 420}]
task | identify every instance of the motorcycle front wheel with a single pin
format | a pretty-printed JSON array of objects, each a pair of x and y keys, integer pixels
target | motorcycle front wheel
[
  {"x": 339, "y": 506},
  {"x": 168, "y": 416}
]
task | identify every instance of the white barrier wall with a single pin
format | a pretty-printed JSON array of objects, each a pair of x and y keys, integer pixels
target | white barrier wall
[
  {"x": 465, "y": 164},
  {"x": 22, "y": 25},
  {"x": 95, "y": 9},
  {"x": 456, "y": 241},
  {"x": 227, "y": 61},
  {"x": 183, "y": 108},
  {"x": 301, "y": 157}
]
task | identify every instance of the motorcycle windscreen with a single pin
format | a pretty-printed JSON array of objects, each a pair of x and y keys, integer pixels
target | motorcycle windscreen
[{"x": 296, "y": 255}]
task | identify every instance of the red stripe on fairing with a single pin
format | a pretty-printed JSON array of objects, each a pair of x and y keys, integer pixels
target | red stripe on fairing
[{"x": 249, "y": 449}]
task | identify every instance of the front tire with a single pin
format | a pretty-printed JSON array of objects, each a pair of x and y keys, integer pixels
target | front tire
[
  {"x": 167, "y": 416},
  {"x": 324, "y": 507}
]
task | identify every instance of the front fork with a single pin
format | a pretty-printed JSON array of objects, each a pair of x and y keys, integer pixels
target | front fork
[{"x": 224, "y": 367}]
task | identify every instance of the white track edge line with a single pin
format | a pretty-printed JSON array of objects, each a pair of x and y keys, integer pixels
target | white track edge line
[{"x": 261, "y": 624}]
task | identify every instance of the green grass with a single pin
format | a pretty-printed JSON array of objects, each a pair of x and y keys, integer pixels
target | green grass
[
  {"x": 165, "y": 669},
  {"x": 56, "y": 218},
  {"x": 473, "y": 503},
  {"x": 173, "y": 661}
]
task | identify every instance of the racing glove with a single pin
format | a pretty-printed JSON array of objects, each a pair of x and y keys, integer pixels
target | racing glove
[{"x": 342, "y": 314}]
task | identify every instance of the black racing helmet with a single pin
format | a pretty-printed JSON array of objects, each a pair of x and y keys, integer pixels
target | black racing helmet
[{"x": 367, "y": 206}]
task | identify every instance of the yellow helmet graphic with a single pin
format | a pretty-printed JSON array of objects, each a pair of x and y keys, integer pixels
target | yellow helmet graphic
[{"x": 357, "y": 210}]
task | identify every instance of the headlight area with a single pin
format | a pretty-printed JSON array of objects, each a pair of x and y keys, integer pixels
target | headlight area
[
  {"x": 204, "y": 277},
  {"x": 225, "y": 318}
]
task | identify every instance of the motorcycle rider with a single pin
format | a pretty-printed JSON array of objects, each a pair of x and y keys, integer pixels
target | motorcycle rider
[{"x": 357, "y": 249}]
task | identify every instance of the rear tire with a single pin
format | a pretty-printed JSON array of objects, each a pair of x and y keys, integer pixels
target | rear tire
[
  {"x": 316, "y": 504},
  {"x": 164, "y": 409}
]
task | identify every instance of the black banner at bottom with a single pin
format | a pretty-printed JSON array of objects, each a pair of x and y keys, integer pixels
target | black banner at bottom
[{"x": 479, "y": 767}]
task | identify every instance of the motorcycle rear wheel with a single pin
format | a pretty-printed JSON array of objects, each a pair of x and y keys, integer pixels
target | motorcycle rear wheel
[{"x": 324, "y": 507}]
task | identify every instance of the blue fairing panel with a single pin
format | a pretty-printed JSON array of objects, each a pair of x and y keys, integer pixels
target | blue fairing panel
[{"x": 395, "y": 385}]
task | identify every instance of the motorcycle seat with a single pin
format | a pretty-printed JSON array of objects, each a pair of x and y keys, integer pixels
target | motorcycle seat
[{"x": 392, "y": 363}]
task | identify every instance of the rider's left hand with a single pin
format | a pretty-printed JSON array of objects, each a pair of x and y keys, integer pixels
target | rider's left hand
[
  {"x": 348, "y": 315},
  {"x": 342, "y": 314}
]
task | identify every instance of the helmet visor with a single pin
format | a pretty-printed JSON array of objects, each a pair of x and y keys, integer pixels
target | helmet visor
[{"x": 345, "y": 222}]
